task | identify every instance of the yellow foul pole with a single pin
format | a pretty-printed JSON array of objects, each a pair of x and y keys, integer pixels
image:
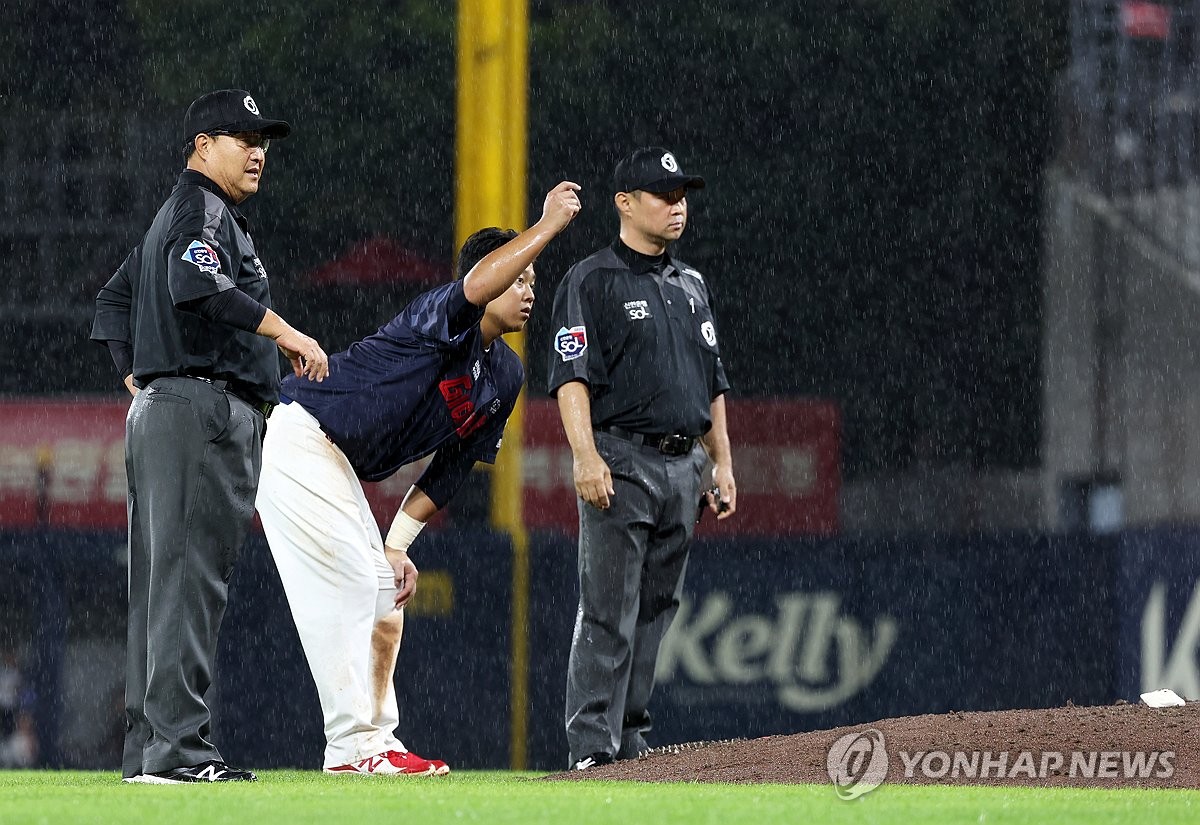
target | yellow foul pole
[{"x": 490, "y": 150}]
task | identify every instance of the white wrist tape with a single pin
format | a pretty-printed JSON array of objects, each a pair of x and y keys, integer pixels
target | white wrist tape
[{"x": 404, "y": 529}]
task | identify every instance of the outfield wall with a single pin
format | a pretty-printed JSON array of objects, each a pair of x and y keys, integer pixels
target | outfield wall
[{"x": 774, "y": 637}]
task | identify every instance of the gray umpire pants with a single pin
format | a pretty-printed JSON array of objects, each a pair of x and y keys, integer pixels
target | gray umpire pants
[
  {"x": 632, "y": 559},
  {"x": 192, "y": 455}
]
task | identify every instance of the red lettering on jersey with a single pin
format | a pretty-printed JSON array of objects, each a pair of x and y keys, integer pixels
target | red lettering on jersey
[
  {"x": 461, "y": 412},
  {"x": 457, "y": 392},
  {"x": 472, "y": 424}
]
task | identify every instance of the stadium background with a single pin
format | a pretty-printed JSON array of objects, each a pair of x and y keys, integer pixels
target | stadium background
[{"x": 957, "y": 245}]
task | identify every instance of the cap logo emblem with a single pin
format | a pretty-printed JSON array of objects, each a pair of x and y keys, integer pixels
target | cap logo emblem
[
  {"x": 669, "y": 163},
  {"x": 250, "y": 105}
]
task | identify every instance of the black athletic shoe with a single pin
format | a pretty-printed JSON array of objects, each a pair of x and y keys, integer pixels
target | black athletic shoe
[
  {"x": 211, "y": 771},
  {"x": 592, "y": 760}
]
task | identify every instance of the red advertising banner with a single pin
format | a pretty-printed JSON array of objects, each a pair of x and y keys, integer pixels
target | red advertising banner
[
  {"x": 62, "y": 464},
  {"x": 1144, "y": 20},
  {"x": 786, "y": 460}
]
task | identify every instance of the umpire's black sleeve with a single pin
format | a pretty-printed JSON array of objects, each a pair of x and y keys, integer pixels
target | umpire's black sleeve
[
  {"x": 231, "y": 307},
  {"x": 122, "y": 356},
  {"x": 113, "y": 304}
]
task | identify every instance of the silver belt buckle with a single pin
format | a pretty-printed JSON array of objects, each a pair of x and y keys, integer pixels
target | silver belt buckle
[{"x": 675, "y": 444}]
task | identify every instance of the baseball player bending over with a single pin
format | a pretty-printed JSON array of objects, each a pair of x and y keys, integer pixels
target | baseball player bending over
[{"x": 435, "y": 379}]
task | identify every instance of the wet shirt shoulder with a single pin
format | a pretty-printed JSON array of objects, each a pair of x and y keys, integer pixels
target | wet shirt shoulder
[
  {"x": 422, "y": 381},
  {"x": 641, "y": 333},
  {"x": 198, "y": 245}
]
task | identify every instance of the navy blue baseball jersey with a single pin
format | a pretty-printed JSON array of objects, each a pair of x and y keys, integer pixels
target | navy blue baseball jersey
[{"x": 422, "y": 382}]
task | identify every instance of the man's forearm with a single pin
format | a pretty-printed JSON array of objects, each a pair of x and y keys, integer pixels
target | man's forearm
[
  {"x": 272, "y": 326},
  {"x": 489, "y": 278},
  {"x": 716, "y": 440},
  {"x": 418, "y": 505},
  {"x": 416, "y": 509},
  {"x": 593, "y": 478},
  {"x": 575, "y": 409},
  {"x": 500, "y": 268}
]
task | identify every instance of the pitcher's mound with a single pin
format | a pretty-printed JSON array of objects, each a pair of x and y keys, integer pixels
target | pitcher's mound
[{"x": 1112, "y": 746}]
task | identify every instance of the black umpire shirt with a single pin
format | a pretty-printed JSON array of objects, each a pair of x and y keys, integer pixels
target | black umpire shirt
[
  {"x": 639, "y": 331},
  {"x": 198, "y": 245}
]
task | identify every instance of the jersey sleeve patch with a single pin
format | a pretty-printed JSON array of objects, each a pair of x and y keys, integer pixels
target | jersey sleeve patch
[
  {"x": 571, "y": 343},
  {"x": 203, "y": 257}
]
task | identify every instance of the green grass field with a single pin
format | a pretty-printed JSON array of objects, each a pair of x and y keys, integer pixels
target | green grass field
[{"x": 298, "y": 797}]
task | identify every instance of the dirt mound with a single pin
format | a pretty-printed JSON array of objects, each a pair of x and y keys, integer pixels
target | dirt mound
[{"x": 1112, "y": 746}]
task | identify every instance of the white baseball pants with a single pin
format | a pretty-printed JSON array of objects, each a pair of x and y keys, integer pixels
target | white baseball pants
[{"x": 329, "y": 552}]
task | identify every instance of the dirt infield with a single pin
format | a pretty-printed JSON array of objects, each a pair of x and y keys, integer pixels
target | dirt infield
[{"x": 1111, "y": 746}]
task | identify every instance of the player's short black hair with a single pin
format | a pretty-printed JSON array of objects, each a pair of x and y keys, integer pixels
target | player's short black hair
[{"x": 476, "y": 247}]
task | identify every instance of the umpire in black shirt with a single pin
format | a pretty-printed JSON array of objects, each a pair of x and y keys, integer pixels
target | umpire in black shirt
[
  {"x": 187, "y": 318},
  {"x": 640, "y": 386}
]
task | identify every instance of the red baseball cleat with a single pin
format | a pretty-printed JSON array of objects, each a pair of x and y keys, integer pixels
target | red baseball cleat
[{"x": 393, "y": 763}]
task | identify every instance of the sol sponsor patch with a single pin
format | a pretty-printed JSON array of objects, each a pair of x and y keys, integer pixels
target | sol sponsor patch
[
  {"x": 709, "y": 332},
  {"x": 203, "y": 256},
  {"x": 638, "y": 310},
  {"x": 570, "y": 343}
]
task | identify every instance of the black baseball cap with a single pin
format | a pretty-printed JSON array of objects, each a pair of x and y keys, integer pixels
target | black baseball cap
[
  {"x": 652, "y": 169},
  {"x": 229, "y": 110}
]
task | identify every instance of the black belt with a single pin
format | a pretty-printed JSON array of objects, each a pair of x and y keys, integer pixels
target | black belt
[
  {"x": 668, "y": 444},
  {"x": 262, "y": 407}
]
